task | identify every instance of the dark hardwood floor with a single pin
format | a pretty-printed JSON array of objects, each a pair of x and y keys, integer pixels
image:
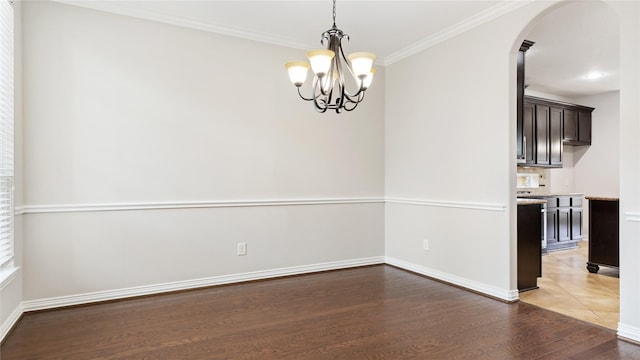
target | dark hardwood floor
[{"x": 376, "y": 312}]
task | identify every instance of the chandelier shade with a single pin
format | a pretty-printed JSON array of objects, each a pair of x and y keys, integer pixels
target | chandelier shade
[
  {"x": 320, "y": 61},
  {"x": 297, "y": 71},
  {"x": 328, "y": 89},
  {"x": 361, "y": 62}
]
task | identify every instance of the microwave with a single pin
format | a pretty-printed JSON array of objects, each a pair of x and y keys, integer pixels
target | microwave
[{"x": 527, "y": 180}]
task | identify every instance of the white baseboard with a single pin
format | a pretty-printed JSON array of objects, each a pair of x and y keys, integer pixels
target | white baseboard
[
  {"x": 630, "y": 333},
  {"x": 87, "y": 298},
  {"x": 8, "y": 324},
  {"x": 98, "y": 296},
  {"x": 506, "y": 295}
]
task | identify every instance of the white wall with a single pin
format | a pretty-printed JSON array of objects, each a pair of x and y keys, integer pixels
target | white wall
[
  {"x": 629, "y": 13},
  {"x": 596, "y": 168},
  {"x": 123, "y": 114},
  {"x": 449, "y": 127}
]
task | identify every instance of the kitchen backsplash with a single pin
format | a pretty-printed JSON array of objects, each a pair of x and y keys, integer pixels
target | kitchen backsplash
[{"x": 543, "y": 176}]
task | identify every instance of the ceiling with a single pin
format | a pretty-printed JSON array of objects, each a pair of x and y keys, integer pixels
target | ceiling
[
  {"x": 576, "y": 39},
  {"x": 568, "y": 41}
]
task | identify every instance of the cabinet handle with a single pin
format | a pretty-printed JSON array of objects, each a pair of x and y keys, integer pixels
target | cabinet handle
[{"x": 524, "y": 147}]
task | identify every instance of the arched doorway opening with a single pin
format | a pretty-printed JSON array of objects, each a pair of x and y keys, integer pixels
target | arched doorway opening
[{"x": 573, "y": 43}]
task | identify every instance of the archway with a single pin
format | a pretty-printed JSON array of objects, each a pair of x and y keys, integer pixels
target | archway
[{"x": 629, "y": 16}]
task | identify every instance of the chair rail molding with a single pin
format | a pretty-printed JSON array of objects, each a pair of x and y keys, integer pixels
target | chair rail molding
[{"x": 66, "y": 208}]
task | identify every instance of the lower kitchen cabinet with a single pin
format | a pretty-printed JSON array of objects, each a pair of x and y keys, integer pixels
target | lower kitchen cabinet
[
  {"x": 576, "y": 223},
  {"x": 564, "y": 222},
  {"x": 604, "y": 233},
  {"x": 529, "y": 250}
]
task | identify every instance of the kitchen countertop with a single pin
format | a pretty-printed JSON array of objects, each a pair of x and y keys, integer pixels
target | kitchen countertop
[
  {"x": 602, "y": 198},
  {"x": 547, "y": 195},
  {"x": 531, "y": 201}
]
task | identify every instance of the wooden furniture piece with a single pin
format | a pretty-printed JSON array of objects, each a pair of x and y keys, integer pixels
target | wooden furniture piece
[
  {"x": 604, "y": 241},
  {"x": 529, "y": 250}
]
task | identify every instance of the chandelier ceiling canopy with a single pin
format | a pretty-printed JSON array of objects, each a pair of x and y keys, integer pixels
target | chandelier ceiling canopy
[{"x": 328, "y": 90}]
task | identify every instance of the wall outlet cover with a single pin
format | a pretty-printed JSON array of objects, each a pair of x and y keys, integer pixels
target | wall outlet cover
[{"x": 242, "y": 248}]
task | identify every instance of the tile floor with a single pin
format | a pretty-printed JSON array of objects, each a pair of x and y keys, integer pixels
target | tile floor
[{"x": 568, "y": 288}]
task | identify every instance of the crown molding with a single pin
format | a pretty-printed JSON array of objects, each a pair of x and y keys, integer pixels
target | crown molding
[
  {"x": 127, "y": 9},
  {"x": 480, "y": 18}
]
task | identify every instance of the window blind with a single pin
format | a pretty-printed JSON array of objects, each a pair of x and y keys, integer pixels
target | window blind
[{"x": 6, "y": 132}]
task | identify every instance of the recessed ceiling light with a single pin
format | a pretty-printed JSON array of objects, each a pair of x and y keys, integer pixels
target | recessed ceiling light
[{"x": 594, "y": 75}]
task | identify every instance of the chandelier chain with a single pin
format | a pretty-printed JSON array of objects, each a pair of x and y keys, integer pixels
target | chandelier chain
[{"x": 334, "y": 12}]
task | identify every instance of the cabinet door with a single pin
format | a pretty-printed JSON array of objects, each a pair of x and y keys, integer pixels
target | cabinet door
[
  {"x": 552, "y": 226},
  {"x": 584, "y": 127},
  {"x": 576, "y": 224},
  {"x": 555, "y": 136},
  {"x": 564, "y": 224},
  {"x": 542, "y": 135},
  {"x": 528, "y": 123},
  {"x": 570, "y": 129}
]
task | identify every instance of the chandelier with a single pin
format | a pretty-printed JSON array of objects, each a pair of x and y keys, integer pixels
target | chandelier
[{"x": 328, "y": 88}]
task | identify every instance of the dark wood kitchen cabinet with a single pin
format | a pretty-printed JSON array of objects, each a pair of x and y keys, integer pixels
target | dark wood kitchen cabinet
[
  {"x": 555, "y": 136},
  {"x": 529, "y": 123},
  {"x": 576, "y": 218},
  {"x": 542, "y": 135},
  {"x": 604, "y": 233},
  {"x": 542, "y": 129},
  {"x": 545, "y": 127},
  {"x": 570, "y": 131},
  {"x": 564, "y": 222},
  {"x": 529, "y": 250},
  {"x": 577, "y": 126},
  {"x": 564, "y": 227},
  {"x": 584, "y": 127},
  {"x": 552, "y": 221}
]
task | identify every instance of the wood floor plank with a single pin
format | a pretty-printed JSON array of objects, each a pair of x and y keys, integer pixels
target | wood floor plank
[{"x": 375, "y": 312}]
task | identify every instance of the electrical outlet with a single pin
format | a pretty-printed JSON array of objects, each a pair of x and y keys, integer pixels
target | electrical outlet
[
  {"x": 425, "y": 244},
  {"x": 242, "y": 248}
]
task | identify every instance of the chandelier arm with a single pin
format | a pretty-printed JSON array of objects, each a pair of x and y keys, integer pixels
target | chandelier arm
[
  {"x": 344, "y": 58},
  {"x": 355, "y": 104},
  {"x": 355, "y": 98},
  {"x": 302, "y": 96},
  {"x": 321, "y": 105}
]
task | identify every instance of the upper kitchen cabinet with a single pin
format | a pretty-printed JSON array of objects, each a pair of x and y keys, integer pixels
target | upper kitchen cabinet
[
  {"x": 542, "y": 134},
  {"x": 577, "y": 126},
  {"x": 555, "y": 136},
  {"x": 570, "y": 132},
  {"x": 584, "y": 127},
  {"x": 528, "y": 134},
  {"x": 546, "y": 126}
]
